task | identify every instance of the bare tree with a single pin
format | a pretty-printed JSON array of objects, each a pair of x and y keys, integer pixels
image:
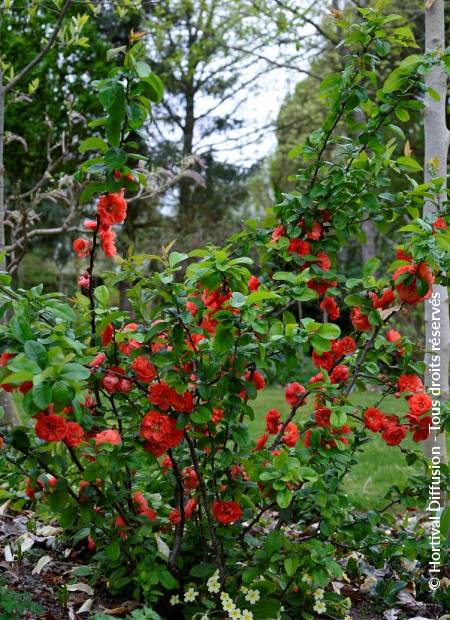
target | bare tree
[{"x": 437, "y": 137}]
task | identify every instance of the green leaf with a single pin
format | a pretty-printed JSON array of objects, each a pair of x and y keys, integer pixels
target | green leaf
[
  {"x": 93, "y": 144},
  {"x": 75, "y": 372},
  {"x": 154, "y": 88},
  {"x": 115, "y": 158},
  {"x": 371, "y": 266},
  {"x": 42, "y": 395},
  {"x": 36, "y": 352},
  {"x": 266, "y": 609},
  {"x": 291, "y": 565},
  {"x": 177, "y": 257},
  {"x": 113, "y": 550},
  {"x": 329, "y": 331},
  {"x": 284, "y": 498},
  {"x": 260, "y": 295},
  {"x": 409, "y": 164},
  {"x": 102, "y": 294},
  {"x": 142, "y": 69}
]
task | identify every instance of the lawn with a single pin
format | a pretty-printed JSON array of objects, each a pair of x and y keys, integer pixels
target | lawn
[{"x": 379, "y": 466}]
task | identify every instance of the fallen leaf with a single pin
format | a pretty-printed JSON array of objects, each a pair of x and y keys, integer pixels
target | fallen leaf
[
  {"x": 391, "y": 614},
  {"x": 4, "y": 507},
  {"x": 122, "y": 610},
  {"x": 407, "y": 150},
  {"x": 80, "y": 587},
  {"x": 9, "y": 555},
  {"x": 46, "y": 559},
  {"x": 48, "y": 530},
  {"x": 25, "y": 541},
  {"x": 86, "y": 606},
  {"x": 162, "y": 547},
  {"x": 407, "y": 600}
]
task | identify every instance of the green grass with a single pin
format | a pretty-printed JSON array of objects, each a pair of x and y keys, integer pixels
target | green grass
[{"x": 379, "y": 466}]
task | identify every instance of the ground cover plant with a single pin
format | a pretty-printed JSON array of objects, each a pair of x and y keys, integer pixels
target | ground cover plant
[{"x": 141, "y": 442}]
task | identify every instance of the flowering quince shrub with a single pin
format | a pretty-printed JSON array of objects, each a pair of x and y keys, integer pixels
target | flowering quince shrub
[{"x": 140, "y": 440}]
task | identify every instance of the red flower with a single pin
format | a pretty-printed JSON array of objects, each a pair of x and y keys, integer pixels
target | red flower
[
  {"x": 261, "y": 442},
  {"x": 402, "y": 255},
  {"x": 410, "y": 383},
  {"x": 97, "y": 361},
  {"x": 107, "y": 335},
  {"x": 329, "y": 305},
  {"x": 190, "y": 479},
  {"x": 226, "y": 512},
  {"x": 322, "y": 416},
  {"x": 340, "y": 374},
  {"x": 217, "y": 415},
  {"x": 112, "y": 208},
  {"x": 108, "y": 238},
  {"x": 253, "y": 283},
  {"x": 386, "y": 299},
  {"x": 291, "y": 435},
  {"x": 50, "y": 427},
  {"x": 90, "y": 224},
  {"x": 183, "y": 403},
  {"x": 110, "y": 435},
  {"x": 392, "y": 335},
  {"x": 5, "y": 357},
  {"x": 300, "y": 247},
  {"x": 189, "y": 508},
  {"x": 439, "y": 223},
  {"x": 74, "y": 434},
  {"x": 420, "y": 427},
  {"x": 343, "y": 346},
  {"x": 81, "y": 247},
  {"x": 293, "y": 392},
  {"x": 191, "y": 307},
  {"x": 278, "y": 232},
  {"x": 175, "y": 516},
  {"x": 316, "y": 231},
  {"x": 360, "y": 321},
  {"x": 325, "y": 360},
  {"x": 273, "y": 421},
  {"x": 419, "y": 403},
  {"x": 408, "y": 277},
  {"x": 324, "y": 261},
  {"x": 256, "y": 378},
  {"x": 160, "y": 432},
  {"x": 161, "y": 395},
  {"x": 374, "y": 419},
  {"x": 394, "y": 434},
  {"x": 143, "y": 369}
]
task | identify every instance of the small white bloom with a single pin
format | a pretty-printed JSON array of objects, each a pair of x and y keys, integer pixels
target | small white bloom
[
  {"x": 224, "y": 596},
  {"x": 228, "y": 605},
  {"x": 175, "y": 599},
  {"x": 190, "y": 595},
  {"x": 320, "y": 607},
  {"x": 307, "y": 579},
  {"x": 318, "y": 594},
  {"x": 246, "y": 615},
  {"x": 213, "y": 584},
  {"x": 252, "y": 596},
  {"x": 243, "y": 589},
  {"x": 234, "y": 614}
]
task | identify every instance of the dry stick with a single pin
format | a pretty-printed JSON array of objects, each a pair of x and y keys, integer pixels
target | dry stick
[
  {"x": 180, "y": 526},
  {"x": 212, "y": 530}
]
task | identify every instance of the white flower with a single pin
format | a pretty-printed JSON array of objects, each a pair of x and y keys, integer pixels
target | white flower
[
  {"x": 307, "y": 579},
  {"x": 234, "y": 614},
  {"x": 246, "y": 615},
  {"x": 190, "y": 595},
  {"x": 224, "y": 596},
  {"x": 213, "y": 584},
  {"x": 252, "y": 596},
  {"x": 175, "y": 599},
  {"x": 228, "y": 605},
  {"x": 243, "y": 589},
  {"x": 320, "y": 607},
  {"x": 318, "y": 594}
]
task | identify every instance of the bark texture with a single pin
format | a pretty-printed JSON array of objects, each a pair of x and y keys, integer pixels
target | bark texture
[{"x": 436, "y": 150}]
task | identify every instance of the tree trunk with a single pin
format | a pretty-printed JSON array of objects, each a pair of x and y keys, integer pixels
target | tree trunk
[
  {"x": 5, "y": 399},
  {"x": 436, "y": 149},
  {"x": 368, "y": 248},
  {"x": 185, "y": 215}
]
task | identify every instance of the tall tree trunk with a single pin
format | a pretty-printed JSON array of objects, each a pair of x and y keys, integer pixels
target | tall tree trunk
[
  {"x": 436, "y": 149},
  {"x": 5, "y": 399},
  {"x": 185, "y": 199},
  {"x": 368, "y": 248}
]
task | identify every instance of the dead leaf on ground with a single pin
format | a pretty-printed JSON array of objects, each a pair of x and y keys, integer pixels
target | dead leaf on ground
[
  {"x": 45, "y": 559},
  {"x": 81, "y": 587}
]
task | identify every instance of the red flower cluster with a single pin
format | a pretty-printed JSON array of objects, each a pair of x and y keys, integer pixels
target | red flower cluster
[
  {"x": 52, "y": 427},
  {"x": 413, "y": 282},
  {"x": 273, "y": 421},
  {"x": 160, "y": 432},
  {"x": 165, "y": 397},
  {"x": 143, "y": 369},
  {"x": 293, "y": 392},
  {"x": 143, "y": 507},
  {"x": 226, "y": 512}
]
